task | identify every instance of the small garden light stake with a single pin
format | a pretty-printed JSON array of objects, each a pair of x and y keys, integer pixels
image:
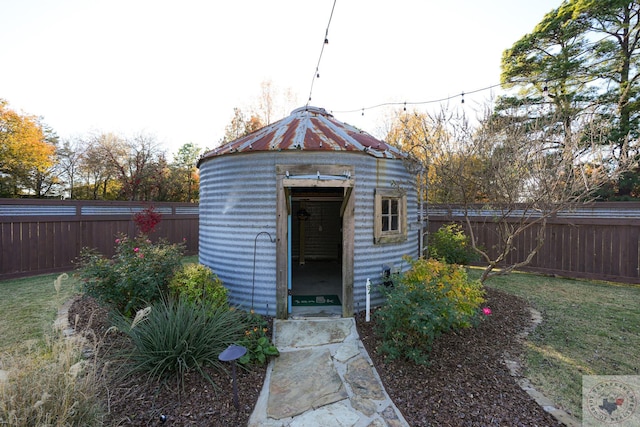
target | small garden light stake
[{"x": 231, "y": 354}]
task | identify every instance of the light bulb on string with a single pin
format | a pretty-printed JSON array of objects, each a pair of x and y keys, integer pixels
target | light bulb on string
[
  {"x": 403, "y": 104},
  {"x": 316, "y": 75}
]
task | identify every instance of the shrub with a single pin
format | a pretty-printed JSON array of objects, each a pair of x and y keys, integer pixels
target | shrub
[
  {"x": 50, "y": 386},
  {"x": 138, "y": 273},
  {"x": 427, "y": 301},
  {"x": 200, "y": 285},
  {"x": 258, "y": 344},
  {"x": 175, "y": 336},
  {"x": 449, "y": 244},
  {"x": 147, "y": 220}
]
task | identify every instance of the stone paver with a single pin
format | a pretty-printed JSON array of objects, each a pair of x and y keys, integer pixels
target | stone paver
[
  {"x": 309, "y": 333},
  {"x": 346, "y": 351},
  {"x": 303, "y": 380},
  {"x": 337, "y": 414},
  {"x": 362, "y": 380},
  {"x": 323, "y": 377}
]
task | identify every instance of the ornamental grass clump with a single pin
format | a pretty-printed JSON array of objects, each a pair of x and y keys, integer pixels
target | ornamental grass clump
[
  {"x": 176, "y": 336},
  {"x": 138, "y": 274},
  {"x": 428, "y": 300},
  {"x": 50, "y": 385}
]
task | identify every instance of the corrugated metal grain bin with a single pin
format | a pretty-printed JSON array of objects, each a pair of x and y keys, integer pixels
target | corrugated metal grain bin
[{"x": 297, "y": 216}]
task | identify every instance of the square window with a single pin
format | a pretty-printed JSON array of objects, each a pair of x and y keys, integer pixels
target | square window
[{"x": 390, "y": 216}]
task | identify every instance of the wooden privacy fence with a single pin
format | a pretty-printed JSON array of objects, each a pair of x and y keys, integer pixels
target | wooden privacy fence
[
  {"x": 46, "y": 236},
  {"x": 596, "y": 241}
]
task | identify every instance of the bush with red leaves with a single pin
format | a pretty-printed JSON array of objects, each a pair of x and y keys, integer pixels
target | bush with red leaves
[{"x": 147, "y": 220}]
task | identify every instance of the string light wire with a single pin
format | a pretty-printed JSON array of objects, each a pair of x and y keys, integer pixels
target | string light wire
[
  {"x": 325, "y": 42},
  {"x": 316, "y": 75},
  {"x": 405, "y": 103}
]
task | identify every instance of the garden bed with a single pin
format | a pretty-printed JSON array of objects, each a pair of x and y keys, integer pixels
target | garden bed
[{"x": 467, "y": 383}]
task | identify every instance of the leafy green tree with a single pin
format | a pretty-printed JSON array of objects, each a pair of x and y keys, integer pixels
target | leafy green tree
[
  {"x": 615, "y": 60},
  {"x": 581, "y": 64},
  {"x": 156, "y": 181},
  {"x": 185, "y": 173},
  {"x": 549, "y": 69}
]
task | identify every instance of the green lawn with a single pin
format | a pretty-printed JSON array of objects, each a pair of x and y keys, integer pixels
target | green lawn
[
  {"x": 588, "y": 328},
  {"x": 29, "y": 306}
]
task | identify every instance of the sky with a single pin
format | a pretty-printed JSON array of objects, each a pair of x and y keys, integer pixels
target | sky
[{"x": 176, "y": 69}]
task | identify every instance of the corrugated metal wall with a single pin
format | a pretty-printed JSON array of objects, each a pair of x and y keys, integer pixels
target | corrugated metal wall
[
  {"x": 369, "y": 258},
  {"x": 238, "y": 202}
]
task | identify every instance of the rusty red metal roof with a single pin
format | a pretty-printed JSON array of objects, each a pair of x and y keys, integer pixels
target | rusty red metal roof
[{"x": 309, "y": 129}]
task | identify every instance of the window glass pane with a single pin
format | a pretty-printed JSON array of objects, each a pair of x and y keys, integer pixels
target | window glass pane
[
  {"x": 394, "y": 222},
  {"x": 385, "y": 206},
  {"x": 385, "y": 223},
  {"x": 394, "y": 206}
]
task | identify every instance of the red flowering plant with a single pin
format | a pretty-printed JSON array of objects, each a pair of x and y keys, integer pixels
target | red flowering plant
[
  {"x": 146, "y": 220},
  {"x": 138, "y": 274}
]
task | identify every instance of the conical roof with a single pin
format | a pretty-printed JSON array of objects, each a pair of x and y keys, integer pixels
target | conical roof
[{"x": 309, "y": 129}]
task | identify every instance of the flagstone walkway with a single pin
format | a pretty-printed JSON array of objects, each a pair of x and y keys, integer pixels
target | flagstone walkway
[{"x": 323, "y": 377}]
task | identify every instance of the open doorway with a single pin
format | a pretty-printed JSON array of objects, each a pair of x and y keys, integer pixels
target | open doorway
[
  {"x": 316, "y": 251},
  {"x": 315, "y": 185}
]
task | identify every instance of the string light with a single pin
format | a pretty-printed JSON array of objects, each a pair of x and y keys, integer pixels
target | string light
[
  {"x": 405, "y": 103},
  {"x": 316, "y": 74}
]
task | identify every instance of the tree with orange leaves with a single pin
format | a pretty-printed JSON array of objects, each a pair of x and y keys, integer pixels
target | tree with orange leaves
[{"x": 24, "y": 150}]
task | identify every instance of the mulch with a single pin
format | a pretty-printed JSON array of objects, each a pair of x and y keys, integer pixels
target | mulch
[{"x": 466, "y": 383}]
